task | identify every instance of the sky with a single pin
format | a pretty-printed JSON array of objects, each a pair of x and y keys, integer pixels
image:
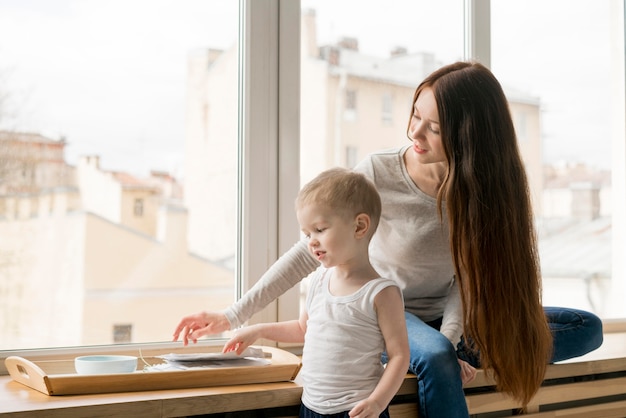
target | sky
[
  {"x": 566, "y": 68},
  {"x": 110, "y": 75}
]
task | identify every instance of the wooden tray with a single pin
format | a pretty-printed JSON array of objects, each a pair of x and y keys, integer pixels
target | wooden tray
[{"x": 58, "y": 377}]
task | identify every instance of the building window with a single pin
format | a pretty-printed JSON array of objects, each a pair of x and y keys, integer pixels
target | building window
[
  {"x": 350, "y": 100},
  {"x": 521, "y": 126},
  {"x": 387, "y": 108},
  {"x": 352, "y": 154},
  {"x": 122, "y": 333},
  {"x": 349, "y": 111},
  {"x": 138, "y": 207}
]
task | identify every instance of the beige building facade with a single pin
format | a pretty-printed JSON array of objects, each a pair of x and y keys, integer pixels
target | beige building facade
[
  {"x": 351, "y": 105},
  {"x": 97, "y": 259}
]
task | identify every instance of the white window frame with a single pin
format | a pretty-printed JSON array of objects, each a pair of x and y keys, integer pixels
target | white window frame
[
  {"x": 269, "y": 150},
  {"x": 269, "y": 80},
  {"x": 271, "y": 145}
]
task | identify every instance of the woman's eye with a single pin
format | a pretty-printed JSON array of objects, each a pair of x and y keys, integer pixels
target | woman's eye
[{"x": 433, "y": 130}]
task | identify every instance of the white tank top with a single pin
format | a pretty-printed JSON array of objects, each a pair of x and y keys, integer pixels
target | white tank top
[{"x": 341, "y": 360}]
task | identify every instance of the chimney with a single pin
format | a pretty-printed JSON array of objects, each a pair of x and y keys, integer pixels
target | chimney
[
  {"x": 398, "y": 51},
  {"x": 349, "y": 43},
  {"x": 585, "y": 200},
  {"x": 91, "y": 160},
  {"x": 330, "y": 54},
  {"x": 309, "y": 34}
]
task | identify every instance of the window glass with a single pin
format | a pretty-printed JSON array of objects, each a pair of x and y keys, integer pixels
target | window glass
[
  {"x": 561, "y": 66},
  {"x": 118, "y": 168},
  {"x": 361, "y": 62},
  {"x": 556, "y": 61}
]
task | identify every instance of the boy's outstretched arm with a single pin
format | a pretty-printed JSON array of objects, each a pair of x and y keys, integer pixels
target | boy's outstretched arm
[{"x": 286, "y": 331}]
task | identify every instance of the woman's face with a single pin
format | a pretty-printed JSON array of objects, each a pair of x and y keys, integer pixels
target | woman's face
[{"x": 424, "y": 129}]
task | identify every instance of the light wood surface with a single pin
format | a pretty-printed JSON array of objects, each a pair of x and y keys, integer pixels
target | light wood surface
[
  {"x": 19, "y": 400},
  {"x": 58, "y": 377}
]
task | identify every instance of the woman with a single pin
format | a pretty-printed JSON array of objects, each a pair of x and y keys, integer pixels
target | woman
[{"x": 469, "y": 267}]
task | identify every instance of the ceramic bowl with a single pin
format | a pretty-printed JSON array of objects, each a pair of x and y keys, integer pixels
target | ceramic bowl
[{"x": 105, "y": 364}]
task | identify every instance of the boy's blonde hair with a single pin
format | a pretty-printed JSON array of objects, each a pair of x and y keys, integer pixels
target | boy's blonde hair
[{"x": 345, "y": 191}]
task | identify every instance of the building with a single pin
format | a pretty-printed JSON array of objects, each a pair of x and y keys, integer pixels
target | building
[
  {"x": 92, "y": 257},
  {"x": 351, "y": 105}
]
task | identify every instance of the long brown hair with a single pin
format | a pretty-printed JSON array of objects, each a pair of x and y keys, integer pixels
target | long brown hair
[{"x": 492, "y": 234}]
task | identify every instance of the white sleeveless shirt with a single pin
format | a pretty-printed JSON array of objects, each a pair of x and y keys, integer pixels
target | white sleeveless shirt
[{"x": 341, "y": 360}]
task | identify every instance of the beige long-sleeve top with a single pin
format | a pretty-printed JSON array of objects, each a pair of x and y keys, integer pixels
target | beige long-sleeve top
[{"x": 410, "y": 246}]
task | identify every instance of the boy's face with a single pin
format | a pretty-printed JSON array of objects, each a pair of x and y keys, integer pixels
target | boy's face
[{"x": 331, "y": 236}]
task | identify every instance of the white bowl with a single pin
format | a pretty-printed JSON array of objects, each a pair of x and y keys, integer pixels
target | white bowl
[{"x": 105, "y": 364}]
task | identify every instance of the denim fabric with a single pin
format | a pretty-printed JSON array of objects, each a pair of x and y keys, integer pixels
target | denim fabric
[
  {"x": 575, "y": 333},
  {"x": 307, "y": 413},
  {"x": 434, "y": 362}
]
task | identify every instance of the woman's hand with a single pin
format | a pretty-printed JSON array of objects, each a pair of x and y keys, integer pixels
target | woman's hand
[
  {"x": 468, "y": 372},
  {"x": 197, "y": 325}
]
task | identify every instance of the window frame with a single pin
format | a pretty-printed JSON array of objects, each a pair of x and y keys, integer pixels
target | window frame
[
  {"x": 269, "y": 124},
  {"x": 269, "y": 102}
]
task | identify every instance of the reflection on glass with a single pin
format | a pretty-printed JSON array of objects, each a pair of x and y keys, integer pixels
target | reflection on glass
[{"x": 114, "y": 142}]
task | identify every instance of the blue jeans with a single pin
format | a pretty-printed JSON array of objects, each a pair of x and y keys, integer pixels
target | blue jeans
[
  {"x": 434, "y": 359},
  {"x": 575, "y": 333}
]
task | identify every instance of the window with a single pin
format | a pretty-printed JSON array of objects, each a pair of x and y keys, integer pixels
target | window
[
  {"x": 122, "y": 333},
  {"x": 387, "y": 108},
  {"x": 241, "y": 77},
  {"x": 565, "y": 80},
  {"x": 351, "y": 156},
  {"x": 138, "y": 207},
  {"x": 379, "y": 55},
  {"x": 125, "y": 144},
  {"x": 242, "y": 95},
  {"x": 350, "y": 100}
]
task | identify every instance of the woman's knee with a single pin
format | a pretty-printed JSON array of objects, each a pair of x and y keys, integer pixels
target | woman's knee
[
  {"x": 594, "y": 331},
  {"x": 435, "y": 359},
  {"x": 575, "y": 332}
]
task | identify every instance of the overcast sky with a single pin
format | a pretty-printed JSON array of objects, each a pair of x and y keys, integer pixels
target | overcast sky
[
  {"x": 108, "y": 74},
  {"x": 55, "y": 54}
]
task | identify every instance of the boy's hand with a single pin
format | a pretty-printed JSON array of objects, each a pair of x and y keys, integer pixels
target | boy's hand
[
  {"x": 242, "y": 339},
  {"x": 367, "y": 408}
]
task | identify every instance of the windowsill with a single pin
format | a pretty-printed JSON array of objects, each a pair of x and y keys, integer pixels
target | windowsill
[{"x": 17, "y": 398}]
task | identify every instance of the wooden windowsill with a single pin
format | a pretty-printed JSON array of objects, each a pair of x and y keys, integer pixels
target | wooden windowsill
[{"x": 18, "y": 400}]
